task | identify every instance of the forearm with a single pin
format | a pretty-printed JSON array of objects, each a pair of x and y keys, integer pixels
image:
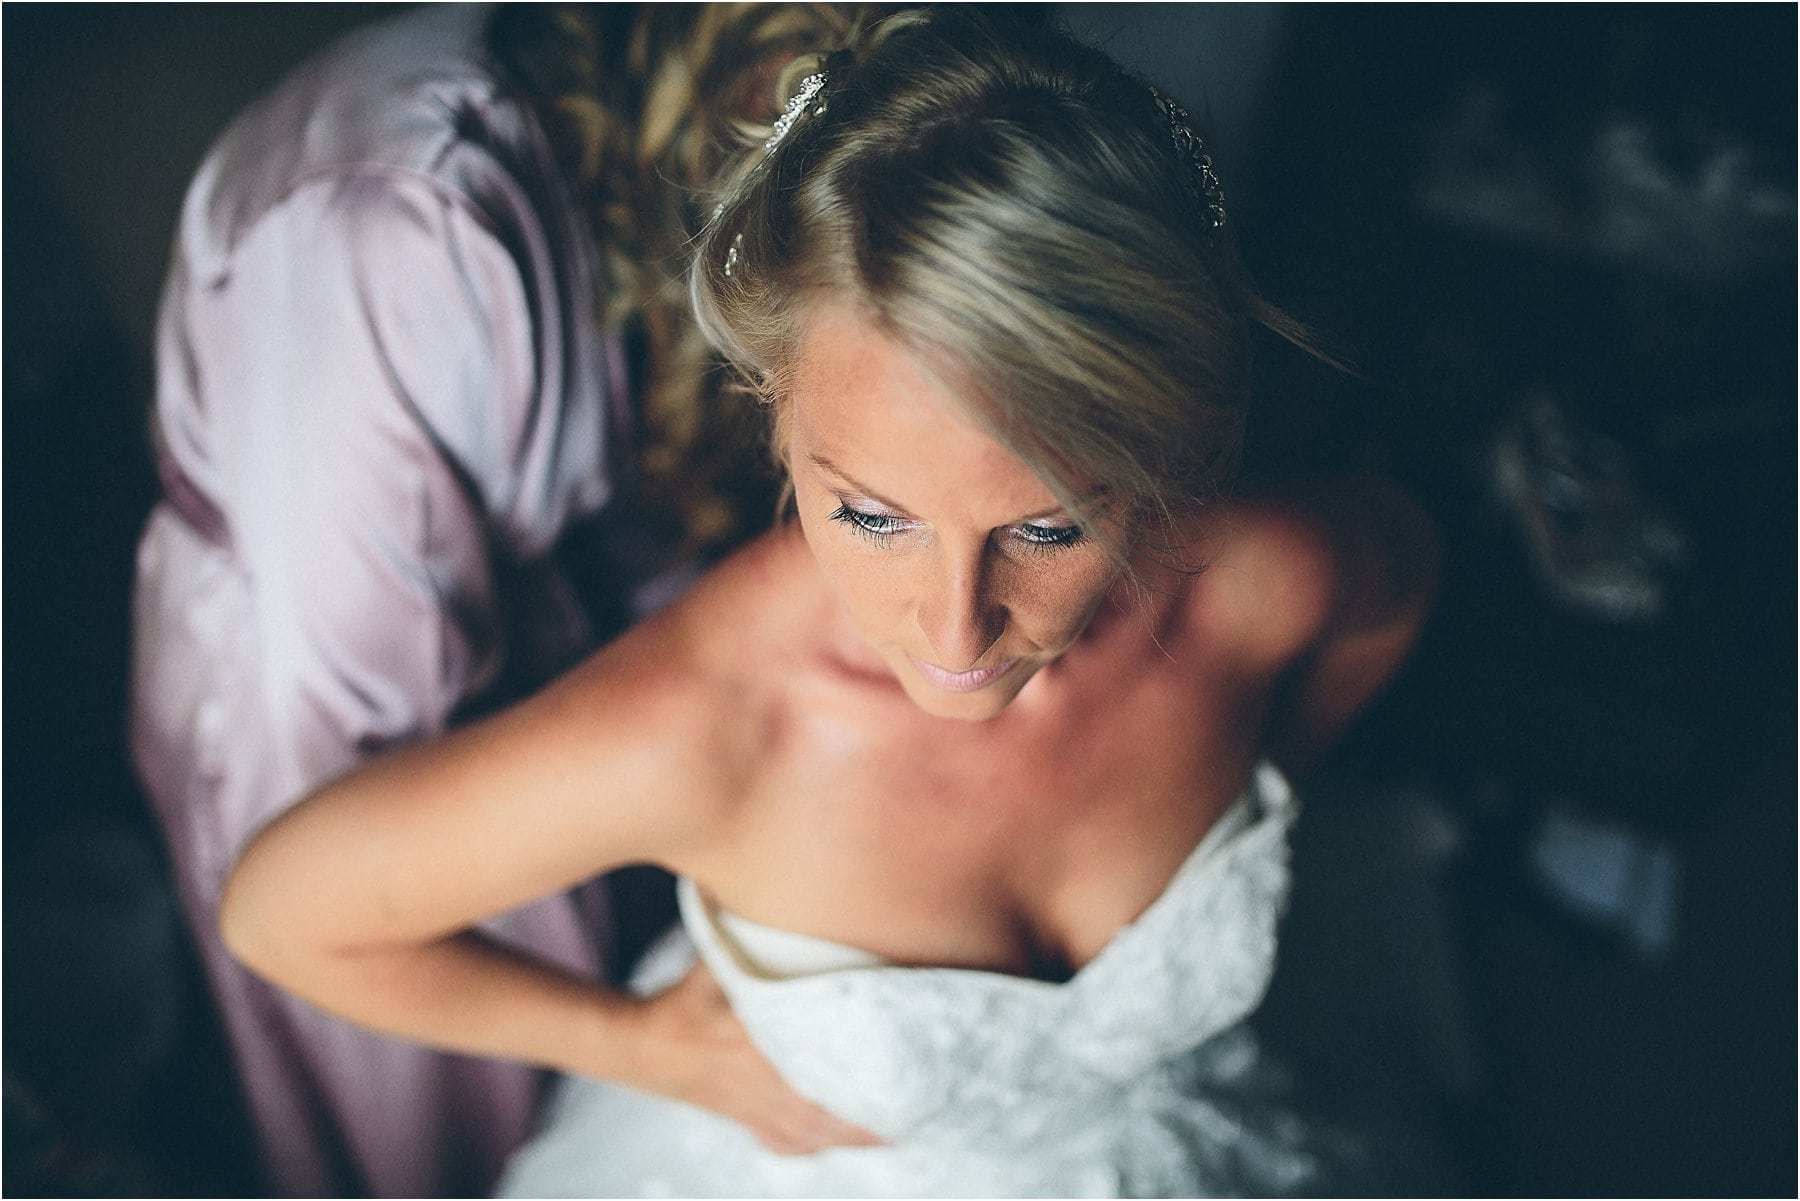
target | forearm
[
  {"x": 362, "y": 898},
  {"x": 347, "y": 904},
  {"x": 470, "y": 994},
  {"x": 465, "y": 993}
]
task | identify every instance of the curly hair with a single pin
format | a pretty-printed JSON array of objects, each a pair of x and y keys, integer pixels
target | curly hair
[{"x": 642, "y": 104}]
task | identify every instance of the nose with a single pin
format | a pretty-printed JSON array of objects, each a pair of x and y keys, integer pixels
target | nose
[{"x": 959, "y": 611}]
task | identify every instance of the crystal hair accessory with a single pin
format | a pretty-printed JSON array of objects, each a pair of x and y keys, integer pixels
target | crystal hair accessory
[
  {"x": 1181, "y": 129},
  {"x": 796, "y": 105},
  {"x": 809, "y": 87}
]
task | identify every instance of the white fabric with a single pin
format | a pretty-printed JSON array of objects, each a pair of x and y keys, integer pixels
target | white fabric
[{"x": 1134, "y": 1078}]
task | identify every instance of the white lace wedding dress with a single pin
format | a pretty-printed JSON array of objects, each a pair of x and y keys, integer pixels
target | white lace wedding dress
[{"x": 1133, "y": 1078}]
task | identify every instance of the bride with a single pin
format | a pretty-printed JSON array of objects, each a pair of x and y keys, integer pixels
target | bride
[{"x": 973, "y": 774}]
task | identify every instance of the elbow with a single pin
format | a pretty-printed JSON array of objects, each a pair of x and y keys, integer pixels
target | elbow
[
  {"x": 1403, "y": 539},
  {"x": 242, "y": 926},
  {"x": 260, "y": 919},
  {"x": 1394, "y": 569}
]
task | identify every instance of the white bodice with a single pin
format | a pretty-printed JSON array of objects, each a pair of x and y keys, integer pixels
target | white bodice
[{"x": 1132, "y": 1078}]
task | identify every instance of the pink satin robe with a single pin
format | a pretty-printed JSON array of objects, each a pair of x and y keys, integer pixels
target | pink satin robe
[{"x": 382, "y": 395}]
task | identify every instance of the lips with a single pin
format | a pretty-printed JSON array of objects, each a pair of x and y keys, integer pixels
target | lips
[{"x": 960, "y": 681}]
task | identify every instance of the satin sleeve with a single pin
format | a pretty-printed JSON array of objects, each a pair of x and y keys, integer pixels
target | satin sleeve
[{"x": 371, "y": 358}]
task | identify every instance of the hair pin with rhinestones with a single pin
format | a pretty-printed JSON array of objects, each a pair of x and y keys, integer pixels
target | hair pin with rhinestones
[
  {"x": 1181, "y": 129},
  {"x": 809, "y": 87}
]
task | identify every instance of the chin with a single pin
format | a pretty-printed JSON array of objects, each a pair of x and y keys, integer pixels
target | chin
[{"x": 961, "y": 708}]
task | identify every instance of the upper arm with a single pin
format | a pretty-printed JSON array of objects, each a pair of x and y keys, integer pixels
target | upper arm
[
  {"x": 1340, "y": 578},
  {"x": 1384, "y": 555},
  {"x": 608, "y": 766}
]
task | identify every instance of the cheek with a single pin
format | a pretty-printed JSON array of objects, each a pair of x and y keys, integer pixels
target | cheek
[
  {"x": 1065, "y": 601},
  {"x": 868, "y": 586}
]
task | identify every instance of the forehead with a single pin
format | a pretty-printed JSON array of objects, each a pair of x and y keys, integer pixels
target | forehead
[
  {"x": 874, "y": 408},
  {"x": 845, "y": 360}
]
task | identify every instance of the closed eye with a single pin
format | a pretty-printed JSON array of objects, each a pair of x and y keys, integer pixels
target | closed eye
[
  {"x": 881, "y": 528},
  {"x": 1050, "y": 537},
  {"x": 877, "y": 527}
]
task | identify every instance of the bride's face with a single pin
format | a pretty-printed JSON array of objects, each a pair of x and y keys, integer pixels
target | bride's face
[{"x": 954, "y": 560}]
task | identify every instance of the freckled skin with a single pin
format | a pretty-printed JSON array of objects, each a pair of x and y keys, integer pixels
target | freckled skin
[
  {"x": 973, "y": 566},
  {"x": 1062, "y": 791},
  {"x": 779, "y": 736}
]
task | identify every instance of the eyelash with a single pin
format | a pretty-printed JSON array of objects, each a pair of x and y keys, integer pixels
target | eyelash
[
  {"x": 1047, "y": 538},
  {"x": 880, "y": 529},
  {"x": 876, "y": 527}
]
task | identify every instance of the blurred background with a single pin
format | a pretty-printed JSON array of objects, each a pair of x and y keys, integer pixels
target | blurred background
[{"x": 1544, "y": 922}]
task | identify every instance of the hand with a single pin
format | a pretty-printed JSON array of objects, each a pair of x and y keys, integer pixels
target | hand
[{"x": 700, "y": 1053}]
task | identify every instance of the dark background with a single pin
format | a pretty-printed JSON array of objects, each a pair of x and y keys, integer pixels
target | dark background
[{"x": 1557, "y": 232}]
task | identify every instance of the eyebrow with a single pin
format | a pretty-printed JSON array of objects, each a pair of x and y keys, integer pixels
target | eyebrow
[{"x": 819, "y": 460}]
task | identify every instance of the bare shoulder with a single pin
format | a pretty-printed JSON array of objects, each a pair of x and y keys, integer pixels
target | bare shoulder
[
  {"x": 674, "y": 707},
  {"x": 635, "y": 756},
  {"x": 1293, "y": 568}
]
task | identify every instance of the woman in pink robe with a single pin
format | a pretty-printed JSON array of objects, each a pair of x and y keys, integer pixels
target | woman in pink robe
[{"x": 384, "y": 393}]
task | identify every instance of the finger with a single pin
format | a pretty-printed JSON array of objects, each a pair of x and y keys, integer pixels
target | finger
[
  {"x": 829, "y": 1130},
  {"x": 781, "y": 1143},
  {"x": 856, "y": 1136},
  {"x": 785, "y": 1135},
  {"x": 795, "y": 1126}
]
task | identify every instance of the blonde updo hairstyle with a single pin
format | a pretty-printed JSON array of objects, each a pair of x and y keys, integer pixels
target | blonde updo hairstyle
[{"x": 1011, "y": 206}]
